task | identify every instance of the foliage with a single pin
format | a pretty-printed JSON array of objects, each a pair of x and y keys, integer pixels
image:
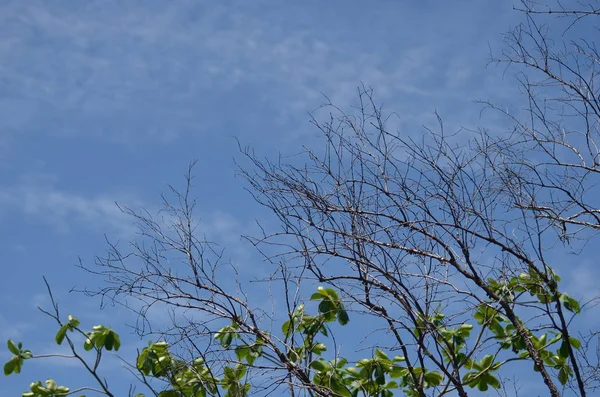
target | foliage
[{"x": 378, "y": 375}]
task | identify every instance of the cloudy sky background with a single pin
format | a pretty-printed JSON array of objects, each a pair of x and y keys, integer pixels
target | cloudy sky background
[{"x": 108, "y": 101}]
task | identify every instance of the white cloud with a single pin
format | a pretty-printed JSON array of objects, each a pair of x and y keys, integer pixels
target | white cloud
[
  {"x": 66, "y": 209},
  {"x": 162, "y": 69},
  {"x": 12, "y": 329}
]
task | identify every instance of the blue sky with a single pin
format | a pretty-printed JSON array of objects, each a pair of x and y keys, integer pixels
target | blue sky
[{"x": 108, "y": 101}]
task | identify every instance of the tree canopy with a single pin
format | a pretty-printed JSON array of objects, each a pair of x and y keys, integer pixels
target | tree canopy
[{"x": 441, "y": 253}]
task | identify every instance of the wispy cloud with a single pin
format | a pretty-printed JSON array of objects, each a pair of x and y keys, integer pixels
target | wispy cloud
[
  {"x": 159, "y": 70},
  {"x": 65, "y": 209},
  {"x": 10, "y": 329}
]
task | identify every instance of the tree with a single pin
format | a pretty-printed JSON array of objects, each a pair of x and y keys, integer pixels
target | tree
[{"x": 442, "y": 253}]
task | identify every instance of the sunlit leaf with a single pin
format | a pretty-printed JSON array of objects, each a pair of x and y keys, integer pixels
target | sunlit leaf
[{"x": 13, "y": 347}]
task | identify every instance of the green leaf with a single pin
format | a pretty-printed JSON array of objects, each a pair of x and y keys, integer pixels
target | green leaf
[
  {"x": 142, "y": 361},
  {"x": 465, "y": 329},
  {"x": 229, "y": 374},
  {"x": 332, "y": 294},
  {"x": 563, "y": 351},
  {"x": 576, "y": 343},
  {"x": 482, "y": 386},
  {"x": 338, "y": 387},
  {"x": 434, "y": 378},
  {"x": 542, "y": 341},
  {"x": 73, "y": 321},
  {"x": 320, "y": 365},
  {"x": 381, "y": 354},
  {"x": 317, "y": 296},
  {"x": 341, "y": 363},
  {"x": 169, "y": 393},
  {"x": 379, "y": 375},
  {"x": 493, "y": 381},
  {"x": 226, "y": 340},
  {"x": 326, "y": 306},
  {"x": 487, "y": 361},
  {"x": 343, "y": 317},
  {"x": 159, "y": 346},
  {"x": 241, "y": 352},
  {"x": 60, "y": 335},
  {"x": 9, "y": 367},
  {"x": 100, "y": 339},
  {"x": 13, "y": 347},
  {"x": 116, "y": 341},
  {"x": 89, "y": 342},
  {"x": 286, "y": 328},
  {"x": 563, "y": 376},
  {"x": 391, "y": 385},
  {"x": 398, "y": 372},
  {"x": 109, "y": 341},
  {"x": 51, "y": 384},
  {"x": 319, "y": 348},
  {"x": 240, "y": 371},
  {"x": 569, "y": 303}
]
